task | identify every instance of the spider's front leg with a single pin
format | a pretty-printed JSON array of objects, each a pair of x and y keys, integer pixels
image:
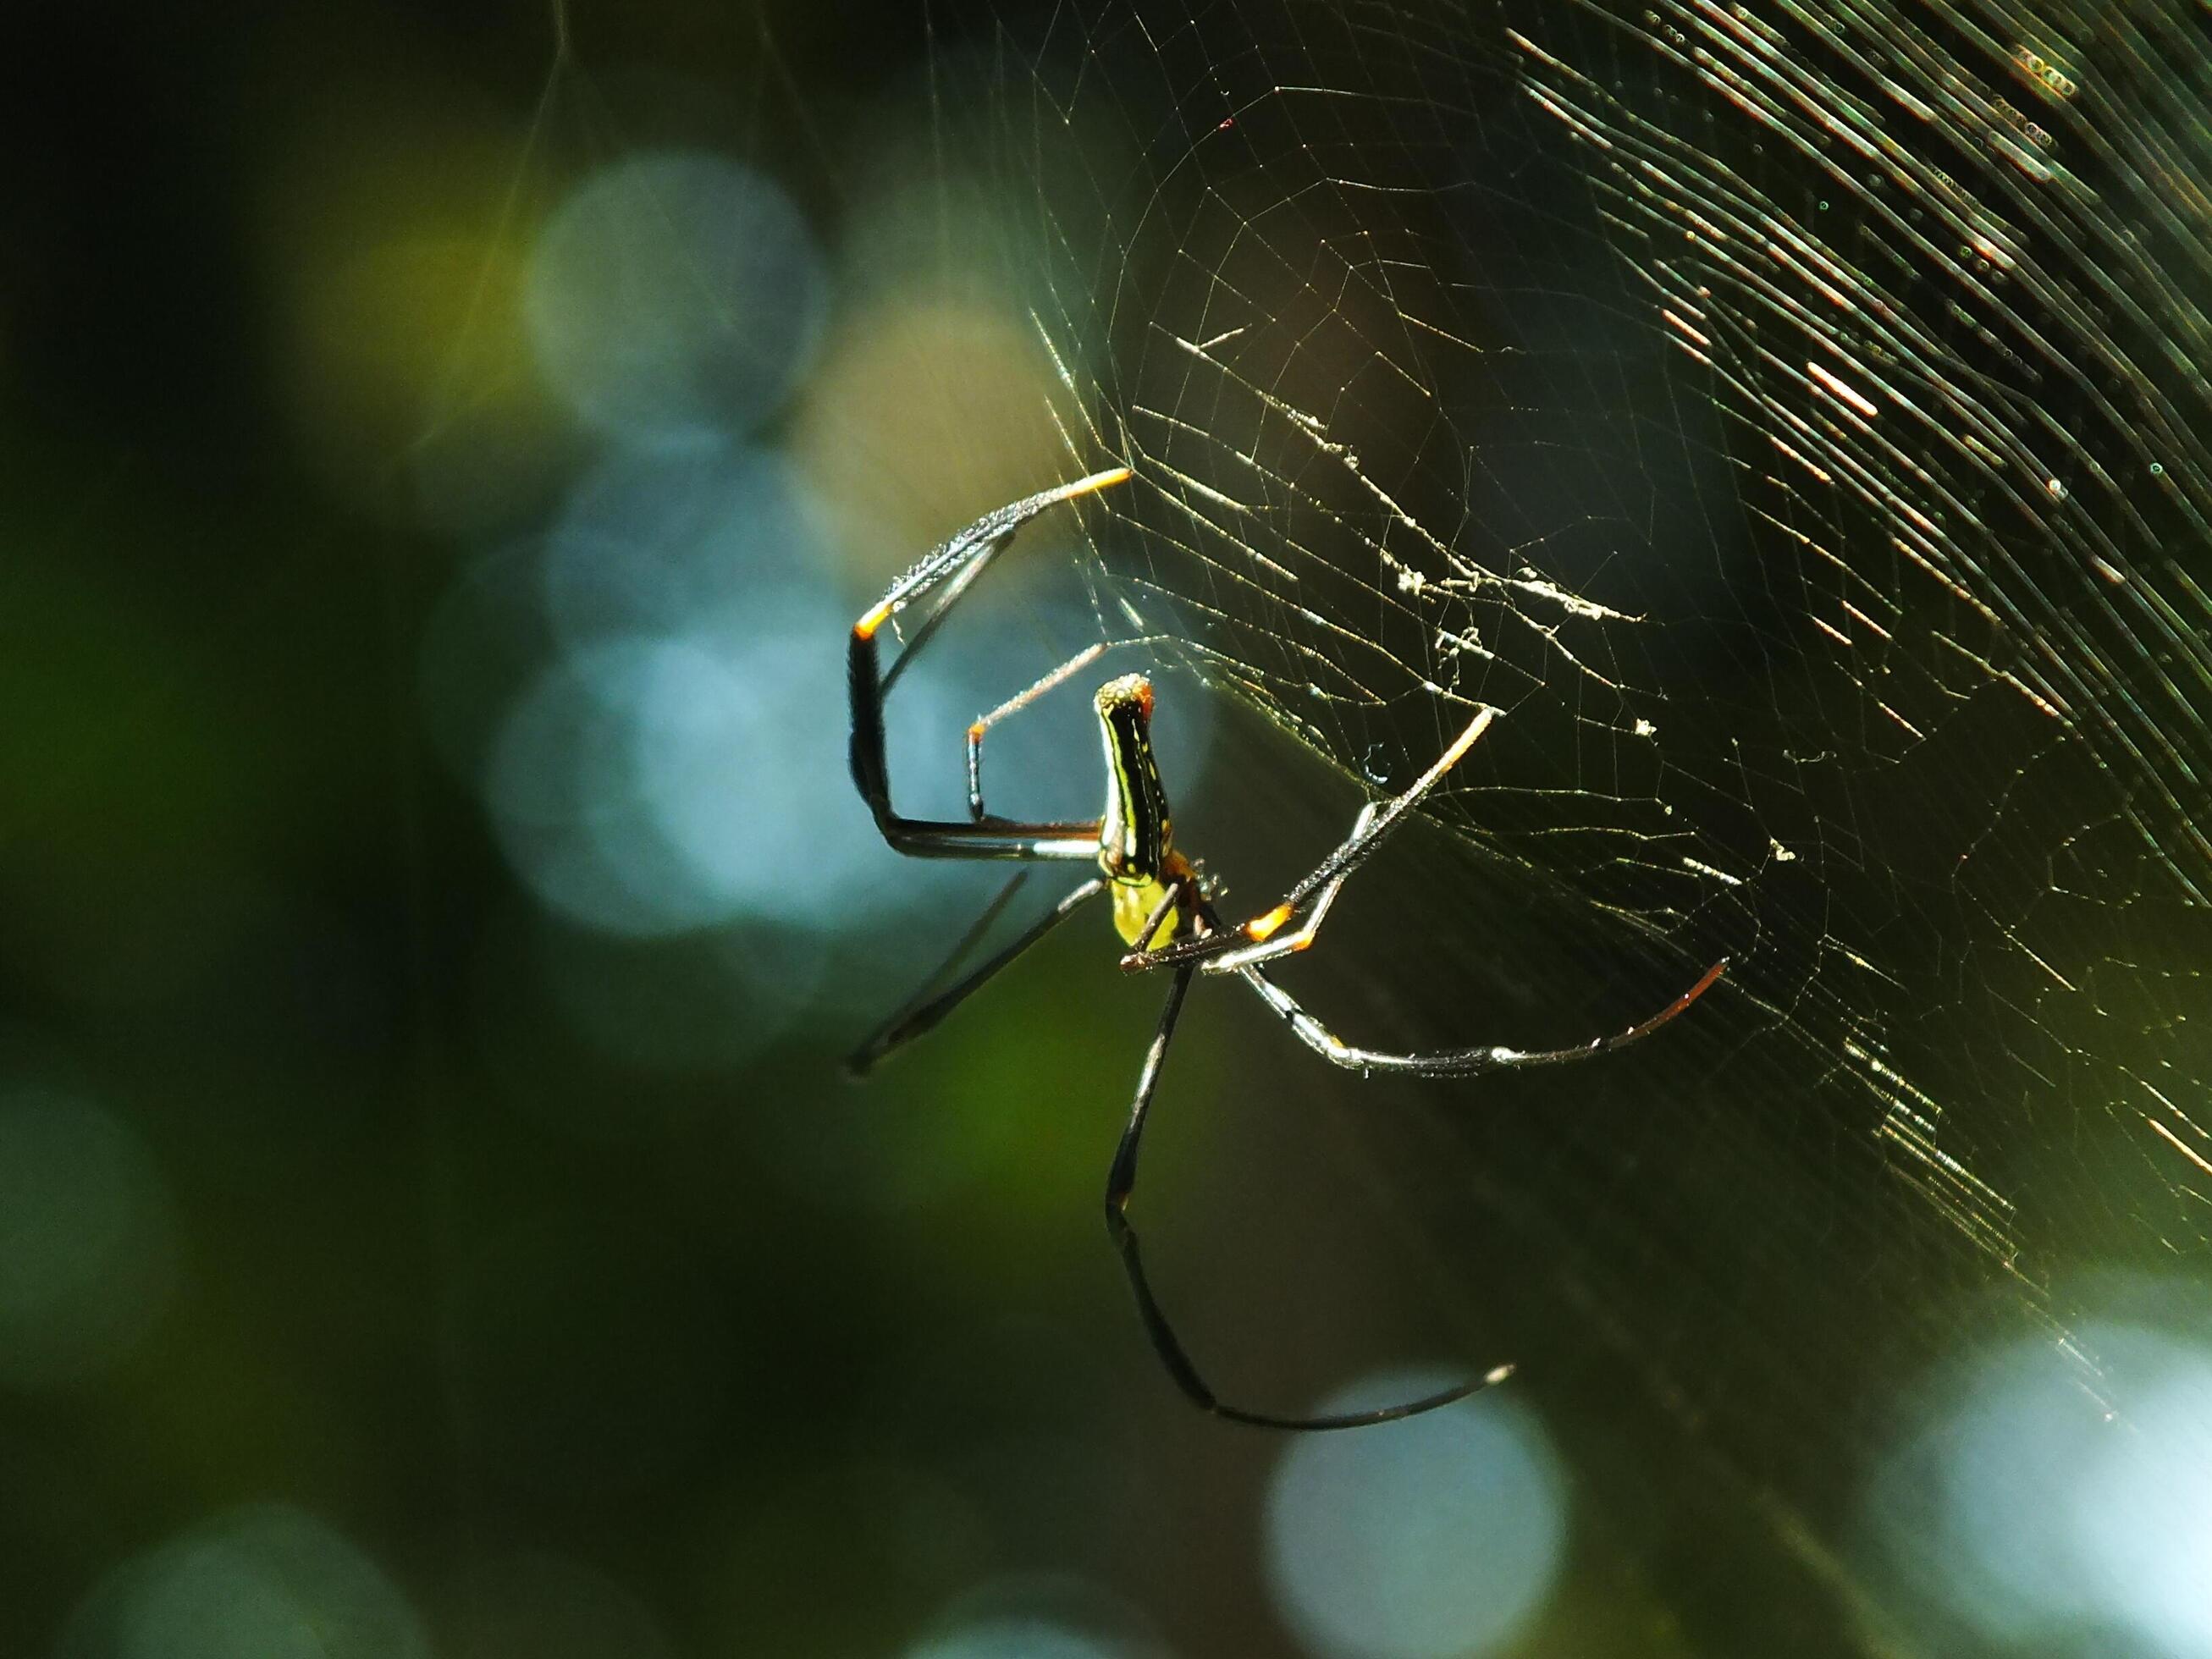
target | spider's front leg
[
  {"x": 957, "y": 563},
  {"x": 1220, "y": 950},
  {"x": 1262, "y": 939}
]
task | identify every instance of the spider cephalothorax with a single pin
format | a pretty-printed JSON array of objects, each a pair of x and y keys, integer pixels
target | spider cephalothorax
[{"x": 1136, "y": 838}]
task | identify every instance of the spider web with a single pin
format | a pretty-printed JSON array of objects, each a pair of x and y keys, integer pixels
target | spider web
[
  {"x": 1787, "y": 416},
  {"x": 1790, "y": 416}
]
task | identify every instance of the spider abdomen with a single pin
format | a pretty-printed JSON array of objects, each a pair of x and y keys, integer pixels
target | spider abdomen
[{"x": 1135, "y": 904}]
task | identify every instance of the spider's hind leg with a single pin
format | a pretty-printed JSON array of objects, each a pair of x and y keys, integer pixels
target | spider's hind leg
[{"x": 1121, "y": 1187}]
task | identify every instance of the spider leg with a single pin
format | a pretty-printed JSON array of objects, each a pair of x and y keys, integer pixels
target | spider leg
[
  {"x": 929, "y": 1005},
  {"x": 959, "y": 560},
  {"x": 1173, "y": 896},
  {"x": 1014, "y": 705},
  {"x": 1121, "y": 1183},
  {"x": 1232, "y": 948},
  {"x": 1457, "y": 1062},
  {"x": 1376, "y": 820},
  {"x": 925, "y": 630}
]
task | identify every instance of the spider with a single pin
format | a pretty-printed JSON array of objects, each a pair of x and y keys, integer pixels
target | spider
[{"x": 1162, "y": 906}]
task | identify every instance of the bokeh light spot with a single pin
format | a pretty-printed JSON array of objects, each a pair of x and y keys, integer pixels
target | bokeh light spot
[
  {"x": 87, "y": 1239},
  {"x": 2041, "y": 1498},
  {"x": 925, "y": 414},
  {"x": 393, "y": 239},
  {"x": 1014, "y": 1636},
  {"x": 1436, "y": 1536},
  {"x": 1039, "y": 1616},
  {"x": 681, "y": 764},
  {"x": 565, "y": 786},
  {"x": 725, "y": 539},
  {"x": 270, "y": 1581},
  {"x": 674, "y": 298}
]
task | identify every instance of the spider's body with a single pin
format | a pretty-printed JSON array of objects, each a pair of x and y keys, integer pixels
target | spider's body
[
  {"x": 1161, "y": 907},
  {"x": 1136, "y": 846}
]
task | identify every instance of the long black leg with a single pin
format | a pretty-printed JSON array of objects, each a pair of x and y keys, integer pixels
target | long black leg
[
  {"x": 1122, "y": 1182},
  {"x": 957, "y": 560},
  {"x": 928, "y": 1008},
  {"x": 1456, "y": 1063}
]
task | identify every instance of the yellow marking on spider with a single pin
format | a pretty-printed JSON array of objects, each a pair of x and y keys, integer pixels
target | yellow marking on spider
[
  {"x": 1133, "y": 904},
  {"x": 1097, "y": 480},
  {"x": 1461, "y": 744},
  {"x": 866, "y": 628},
  {"x": 1262, "y": 928}
]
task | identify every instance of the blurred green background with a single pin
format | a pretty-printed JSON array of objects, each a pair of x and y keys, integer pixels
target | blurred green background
[{"x": 445, "y": 451}]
